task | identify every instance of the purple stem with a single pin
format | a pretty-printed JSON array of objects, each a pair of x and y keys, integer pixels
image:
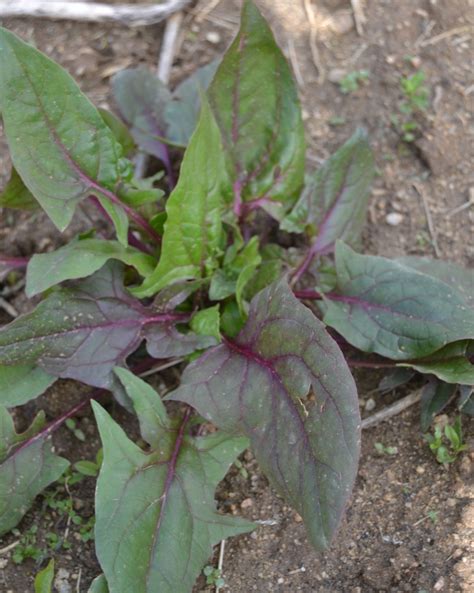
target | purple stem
[
  {"x": 55, "y": 424},
  {"x": 14, "y": 262},
  {"x": 134, "y": 241}
]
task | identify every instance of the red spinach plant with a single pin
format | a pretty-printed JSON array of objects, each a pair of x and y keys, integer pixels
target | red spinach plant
[{"x": 199, "y": 271}]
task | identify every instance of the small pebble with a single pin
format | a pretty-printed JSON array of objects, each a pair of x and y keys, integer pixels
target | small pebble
[
  {"x": 394, "y": 218},
  {"x": 336, "y": 75},
  {"x": 213, "y": 37},
  {"x": 439, "y": 584},
  {"x": 245, "y": 504},
  {"x": 369, "y": 405}
]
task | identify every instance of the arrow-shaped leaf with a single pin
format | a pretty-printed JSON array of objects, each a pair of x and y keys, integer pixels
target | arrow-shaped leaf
[
  {"x": 156, "y": 520},
  {"x": 25, "y": 471},
  {"x": 255, "y": 102},
  {"x": 193, "y": 228},
  {"x": 381, "y": 306},
  {"x": 285, "y": 384},
  {"x": 59, "y": 143}
]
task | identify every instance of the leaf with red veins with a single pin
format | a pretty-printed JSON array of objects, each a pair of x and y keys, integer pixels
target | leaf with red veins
[
  {"x": 156, "y": 520},
  {"x": 86, "y": 328},
  {"x": 255, "y": 103},
  {"x": 284, "y": 384},
  {"x": 25, "y": 470}
]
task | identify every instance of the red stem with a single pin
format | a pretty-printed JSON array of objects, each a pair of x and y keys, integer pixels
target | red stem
[
  {"x": 14, "y": 262},
  {"x": 311, "y": 295},
  {"x": 55, "y": 424}
]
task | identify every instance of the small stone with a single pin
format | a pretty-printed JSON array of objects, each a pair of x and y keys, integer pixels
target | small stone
[
  {"x": 438, "y": 586},
  {"x": 281, "y": 580},
  {"x": 213, "y": 37},
  {"x": 298, "y": 518},
  {"x": 245, "y": 504},
  {"x": 369, "y": 405},
  {"x": 336, "y": 75},
  {"x": 394, "y": 218},
  {"x": 341, "y": 22},
  {"x": 420, "y": 470}
]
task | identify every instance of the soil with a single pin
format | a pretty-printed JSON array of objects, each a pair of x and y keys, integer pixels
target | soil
[{"x": 410, "y": 523}]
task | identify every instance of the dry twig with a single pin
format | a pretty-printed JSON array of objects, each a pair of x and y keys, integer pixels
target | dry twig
[
  {"x": 359, "y": 16},
  {"x": 313, "y": 32},
  {"x": 10, "y": 309},
  {"x": 220, "y": 564},
  {"x": 294, "y": 62},
  {"x": 390, "y": 411},
  {"x": 445, "y": 35},
  {"x": 132, "y": 15},
  {"x": 201, "y": 13},
  {"x": 429, "y": 219}
]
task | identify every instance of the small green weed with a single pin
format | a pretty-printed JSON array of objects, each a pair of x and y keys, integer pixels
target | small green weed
[
  {"x": 448, "y": 444},
  {"x": 351, "y": 81},
  {"x": 213, "y": 576},
  {"x": 27, "y": 548},
  {"x": 383, "y": 450},
  {"x": 415, "y": 100}
]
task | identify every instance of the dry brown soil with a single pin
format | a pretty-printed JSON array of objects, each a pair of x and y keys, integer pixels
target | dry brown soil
[{"x": 387, "y": 542}]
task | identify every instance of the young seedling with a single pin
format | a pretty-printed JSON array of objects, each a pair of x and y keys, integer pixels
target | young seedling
[
  {"x": 384, "y": 450},
  {"x": 447, "y": 444},
  {"x": 351, "y": 81},
  {"x": 200, "y": 273}
]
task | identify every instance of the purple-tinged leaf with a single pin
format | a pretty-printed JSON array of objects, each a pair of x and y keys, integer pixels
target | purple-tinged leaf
[
  {"x": 156, "y": 520},
  {"x": 284, "y": 383},
  {"x": 59, "y": 143},
  {"x": 381, "y": 306},
  {"x": 434, "y": 398},
  {"x": 25, "y": 470},
  {"x": 256, "y": 106},
  {"x": 333, "y": 204},
  {"x": 84, "y": 330},
  {"x": 141, "y": 98}
]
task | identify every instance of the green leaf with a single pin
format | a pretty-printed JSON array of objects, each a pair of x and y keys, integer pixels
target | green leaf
[
  {"x": 434, "y": 398},
  {"x": 16, "y": 195},
  {"x": 450, "y": 364},
  {"x": 44, "y": 579},
  {"x": 99, "y": 585},
  {"x": 80, "y": 259},
  {"x": 381, "y": 306},
  {"x": 193, "y": 227},
  {"x": 119, "y": 130},
  {"x": 207, "y": 322},
  {"x": 87, "y": 468},
  {"x": 462, "y": 279},
  {"x": 182, "y": 111},
  {"x": 156, "y": 518},
  {"x": 284, "y": 383},
  {"x": 255, "y": 102},
  {"x": 59, "y": 143},
  {"x": 22, "y": 383},
  {"x": 237, "y": 271},
  {"x": 334, "y": 201},
  {"x": 26, "y": 470}
]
